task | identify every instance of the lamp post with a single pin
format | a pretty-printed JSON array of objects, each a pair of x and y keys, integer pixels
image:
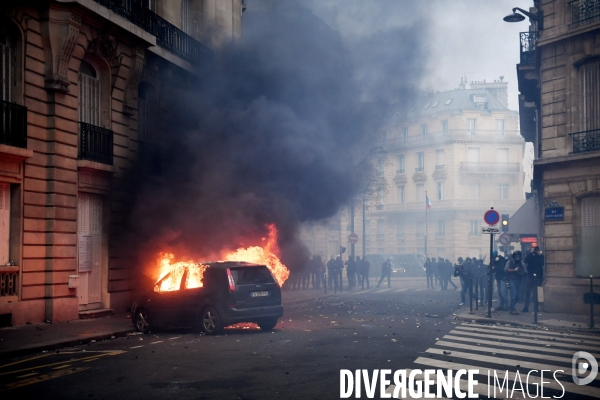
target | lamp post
[
  {"x": 379, "y": 150},
  {"x": 514, "y": 17}
]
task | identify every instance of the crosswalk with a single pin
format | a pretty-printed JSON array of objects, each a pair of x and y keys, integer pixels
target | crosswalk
[{"x": 511, "y": 353}]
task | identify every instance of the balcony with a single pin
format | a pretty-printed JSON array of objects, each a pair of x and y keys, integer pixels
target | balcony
[
  {"x": 439, "y": 167},
  {"x": 13, "y": 125},
  {"x": 9, "y": 281},
  {"x": 399, "y": 171},
  {"x": 168, "y": 36},
  {"x": 150, "y": 158},
  {"x": 528, "y": 45},
  {"x": 95, "y": 144},
  {"x": 419, "y": 169},
  {"x": 486, "y": 167},
  {"x": 455, "y": 135},
  {"x": 586, "y": 141},
  {"x": 584, "y": 12}
]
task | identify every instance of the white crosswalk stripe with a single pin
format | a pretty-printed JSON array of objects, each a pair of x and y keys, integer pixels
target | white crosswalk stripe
[{"x": 512, "y": 353}]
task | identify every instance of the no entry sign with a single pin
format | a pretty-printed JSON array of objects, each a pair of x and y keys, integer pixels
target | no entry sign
[
  {"x": 491, "y": 217},
  {"x": 353, "y": 238}
]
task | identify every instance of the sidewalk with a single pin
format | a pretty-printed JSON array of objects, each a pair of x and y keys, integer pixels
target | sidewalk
[{"x": 545, "y": 320}]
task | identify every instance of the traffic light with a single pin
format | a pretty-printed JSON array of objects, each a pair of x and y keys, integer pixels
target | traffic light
[
  {"x": 342, "y": 250},
  {"x": 504, "y": 222}
]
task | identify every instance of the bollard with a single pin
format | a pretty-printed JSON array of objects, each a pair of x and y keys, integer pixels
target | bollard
[
  {"x": 471, "y": 295},
  {"x": 535, "y": 300}
]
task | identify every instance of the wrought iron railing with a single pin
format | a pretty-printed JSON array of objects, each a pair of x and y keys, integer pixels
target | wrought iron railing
[
  {"x": 400, "y": 171},
  {"x": 439, "y": 166},
  {"x": 95, "y": 143},
  {"x": 585, "y": 12},
  {"x": 586, "y": 141},
  {"x": 9, "y": 281},
  {"x": 489, "y": 167},
  {"x": 453, "y": 135},
  {"x": 419, "y": 169},
  {"x": 168, "y": 36},
  {"x": 150, "y": 158},
  {"x": 528, "y": 45},
  {"x": 13, "y": 125}
]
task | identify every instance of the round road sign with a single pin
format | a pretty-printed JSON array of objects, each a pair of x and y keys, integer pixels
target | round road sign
[
  {"x": 504, "y": 239},
  {"x": 491, "y": 217},
  {"x": 353, "y": 238}
]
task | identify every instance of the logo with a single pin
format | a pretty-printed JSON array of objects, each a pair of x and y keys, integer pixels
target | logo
[{"x": 581, "y": 367}]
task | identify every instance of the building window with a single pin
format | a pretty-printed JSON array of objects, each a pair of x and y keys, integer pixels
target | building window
[
  {"x": 380, "y": 229},
  {"x": 420, "y": 229},
  {"x": 404, "y": 133},
  {"x": 441, "y": 228},
  {"x": 401, "y": 194},
  {"x": 89, "y": 95},
  {"x": 587, "y": 250},
  {"x": 499, "y": 125},
  {"x": 471, "y": 126},
  {"x": 503, "y": 191},
  {"x": 502, "y": 155},
  {"x": 439, "y": 159},
  {"x": 6, "y": 68},
  {"x": 589, "y": 95},
  {"x": 400, "y": 230},
  {"x": 400, "y": 169},
  {"x": 474, "y": 191},
  {"x": 439, "y": 186},
  {"x": 445, "y": 126},
  {"x": 185, "y": 16},
  {"x": 473, "y": 154},
  {"x": 424, "y": 129},
  {"x": 475, "y": 228},
  {"x": 420, "y": 192},
  {"x": 4, "y": 223},
  {"x": 420, "y": 162}
]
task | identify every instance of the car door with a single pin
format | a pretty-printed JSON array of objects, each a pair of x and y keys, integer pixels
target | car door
[{"x": 166, "y": 306}]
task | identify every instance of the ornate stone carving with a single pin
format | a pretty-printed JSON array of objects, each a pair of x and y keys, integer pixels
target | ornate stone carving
[
  {"x": 135, "y": 74},
  {"x": 105, "y": 45},
  {"x": 60, "y": 31}
]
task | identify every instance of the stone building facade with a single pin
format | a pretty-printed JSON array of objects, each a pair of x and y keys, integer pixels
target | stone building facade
[
  {"x": 461, "y": 149},
  {"x": 559, "y": 84},
  {"x": 88, "y": 89}
]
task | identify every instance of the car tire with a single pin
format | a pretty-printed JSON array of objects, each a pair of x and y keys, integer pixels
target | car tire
[
  {"x": 210, "y": 321},
  {"x": 142, "y": 320},
  {"x": 267, "y": 324}
]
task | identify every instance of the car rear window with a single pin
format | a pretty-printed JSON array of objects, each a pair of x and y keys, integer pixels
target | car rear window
[{"x": 251, "y": 275}]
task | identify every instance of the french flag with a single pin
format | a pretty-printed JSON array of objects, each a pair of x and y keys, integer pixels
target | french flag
[{"x": 428, "y": 202}]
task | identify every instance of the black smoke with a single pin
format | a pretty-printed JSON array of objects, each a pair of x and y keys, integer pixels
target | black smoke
[{"x": 274, "y": 126}]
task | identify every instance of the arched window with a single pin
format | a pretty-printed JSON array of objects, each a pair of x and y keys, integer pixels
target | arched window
[
  {"x": 90, "y": 98},
  {"x": 6, "y": 68}
]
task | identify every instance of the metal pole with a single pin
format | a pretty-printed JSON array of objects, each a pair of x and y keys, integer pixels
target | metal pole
[
  {"x": 471, "y": 295},
  {"x": 364, "y": 227},
  {"x": 490, "y": 283},
  {"x": 352, "y": 224},
  {"x": 477, "y": 293},
  {"x": 325, "y": 281},
  {"x": 591, "y": 302},
  {"x": 535, "y": 299}
]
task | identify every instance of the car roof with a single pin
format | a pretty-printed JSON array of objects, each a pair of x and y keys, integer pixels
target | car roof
[{"x": 231, "y": 264}]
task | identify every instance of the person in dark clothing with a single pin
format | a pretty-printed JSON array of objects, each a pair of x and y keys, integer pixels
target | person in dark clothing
[
  {"x": 465, "y": 271},
  {"x": 429, "y": 273},
  {"x": 447, "y": 271},
  {"x": 535, "y": 266},
  {"x": 515, "y": 269},
  {"x": 351, "y": 272},
  {"x": 498, "y": 263},
  {"x": 332, "y": 275},
  {"x": 386, "y": 271},
  {"x": 364, "y": 266}
]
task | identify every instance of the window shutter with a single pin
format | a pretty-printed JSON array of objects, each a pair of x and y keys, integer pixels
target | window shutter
[
  {"x": 4, "y": 222},
  {"x": 5, "y": 71},
  {"x": 589, "y": 89},
  {"x": 89, "y": 100},
  {"x": 590, "y": 212}
]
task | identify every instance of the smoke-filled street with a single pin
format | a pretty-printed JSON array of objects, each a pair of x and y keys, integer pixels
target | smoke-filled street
[{"x": 400, "y": 328}]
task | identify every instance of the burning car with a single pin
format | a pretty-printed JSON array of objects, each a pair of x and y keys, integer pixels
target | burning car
[{"x": 210, "y": 296}]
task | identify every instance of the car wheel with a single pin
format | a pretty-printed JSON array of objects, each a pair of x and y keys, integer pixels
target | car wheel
[
  {"x": 142, "y": 320},
  {"x": 211, "y": 321},
  {"x": 267, "y": 324}
]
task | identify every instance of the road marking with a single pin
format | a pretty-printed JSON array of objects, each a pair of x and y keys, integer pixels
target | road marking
[
  {"x": 28, "y": 375},
  {"x": 160, "y": 341},
  {"x": 173, "y": 338},
  {"x": 568, "y": 387},
  {"x": 509, "y": 339},
  {"x": 105, "y": 353},
  {"x": 514, "y": 346},
  {"x": 538, "y": 332},
  {"x": 42, "y": 378},
  {"x": 62, "y": 366},
  {"x": 22, "y": 361},
  {"x": 136, "y": 347},
  {"x": 521, "y": 335}
]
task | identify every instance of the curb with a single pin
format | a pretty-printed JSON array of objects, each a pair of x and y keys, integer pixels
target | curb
[
  {"x": 56, "y": 344},
  {"x": 485, "y": 320}
]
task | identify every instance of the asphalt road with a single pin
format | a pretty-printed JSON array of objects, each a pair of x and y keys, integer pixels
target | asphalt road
[{"x": 301, "y": 359}]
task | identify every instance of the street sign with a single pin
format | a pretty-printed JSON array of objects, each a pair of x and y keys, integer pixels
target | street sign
[
  {"x": 353, "y": 238},
  {"x": 591, "y": 298},
  {"x": 554, "y": 214},
  {"x": 504, "y": 239},
  {"x": 491, "y": 217},
  {"x": 490, "y": 230}
]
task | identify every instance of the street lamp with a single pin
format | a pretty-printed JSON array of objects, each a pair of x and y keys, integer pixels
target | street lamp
[
  {"x": 378, "y": 150},
  {"x": 514, "y": 17}
]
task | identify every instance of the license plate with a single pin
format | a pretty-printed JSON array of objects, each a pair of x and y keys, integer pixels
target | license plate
[{"x": 259, "y": 294}]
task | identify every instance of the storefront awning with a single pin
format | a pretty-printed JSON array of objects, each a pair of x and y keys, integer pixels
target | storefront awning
[{"x": 526, "y": 220}]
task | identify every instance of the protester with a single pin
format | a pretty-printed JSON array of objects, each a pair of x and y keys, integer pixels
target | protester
[
  {"x": 386, "y": 271},
  {"x": 535, "y": 266},
  {"x": 516, "y": 270}
]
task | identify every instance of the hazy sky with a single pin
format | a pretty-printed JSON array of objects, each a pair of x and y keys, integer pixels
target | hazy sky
[{"x": 462, "y": 37}]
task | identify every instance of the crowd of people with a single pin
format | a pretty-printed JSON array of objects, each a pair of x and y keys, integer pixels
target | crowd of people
[{"x": 516, "y": 278}]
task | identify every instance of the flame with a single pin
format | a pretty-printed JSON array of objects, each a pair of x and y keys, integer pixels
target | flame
[
  {"x": 266, "y": 255},
  {"x": 263, "y": 255}
]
